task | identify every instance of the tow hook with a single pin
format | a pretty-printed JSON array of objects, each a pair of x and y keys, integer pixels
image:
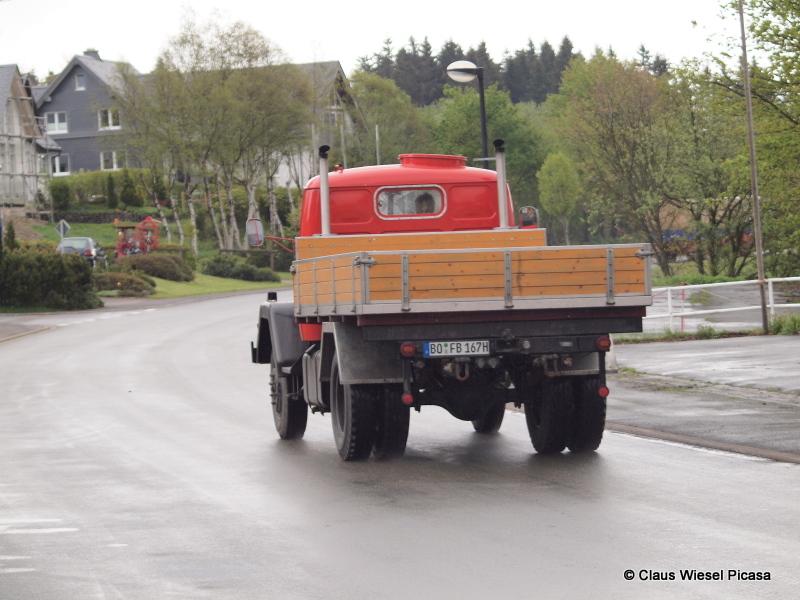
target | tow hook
[{"x": 462, "y": 371}]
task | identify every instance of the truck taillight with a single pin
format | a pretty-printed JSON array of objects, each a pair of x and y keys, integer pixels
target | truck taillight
[
  {"x": 408, "y": 349},
  {"x": 407, "y": 398},
  {"x": 602, "y": 391},
  {"x": 603, "y": 343}
]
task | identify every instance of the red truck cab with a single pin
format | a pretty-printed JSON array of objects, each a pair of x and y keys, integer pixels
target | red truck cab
[{"x": 429, "y": 192}]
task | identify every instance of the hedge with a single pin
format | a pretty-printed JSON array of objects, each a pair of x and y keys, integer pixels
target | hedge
[
  {"x": 235, "y": 267},
  {"x": 127, "y": 284},
  {"x": 165, "y": 266},
  {"x": 31, "y": 278}
]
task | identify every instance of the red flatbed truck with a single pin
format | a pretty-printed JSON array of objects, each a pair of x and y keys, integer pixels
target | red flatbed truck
[{"x": 413, "y": 286}]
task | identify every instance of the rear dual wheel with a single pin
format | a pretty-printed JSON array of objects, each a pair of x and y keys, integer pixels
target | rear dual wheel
[
  {"x": 567, "y": 412},
  {"x": 491, "y": 420},
  {"x": 367, "y": 418},
  {"x": 589, "y": 418}
]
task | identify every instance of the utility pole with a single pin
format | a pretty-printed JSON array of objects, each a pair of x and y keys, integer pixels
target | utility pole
[{"x": 753, "y": 174}]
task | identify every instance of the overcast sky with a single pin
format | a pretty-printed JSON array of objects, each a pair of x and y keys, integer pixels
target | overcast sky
[{"x": 44, "y": 34}]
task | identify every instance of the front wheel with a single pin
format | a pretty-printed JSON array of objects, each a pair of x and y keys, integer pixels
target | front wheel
[
  {"x": 352, "y": 417},
  {"x": 290, "y": 414}
]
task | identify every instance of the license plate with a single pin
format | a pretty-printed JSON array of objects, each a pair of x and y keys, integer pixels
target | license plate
[{"x": 456, "y": 348}]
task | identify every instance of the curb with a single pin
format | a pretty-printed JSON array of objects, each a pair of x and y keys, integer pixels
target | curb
[
  {"x": 23, "y": 334},
  {"x": 690, "y": 440}
]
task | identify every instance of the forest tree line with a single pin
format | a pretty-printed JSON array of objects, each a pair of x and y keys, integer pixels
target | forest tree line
[{"x": 610, "y": 149}]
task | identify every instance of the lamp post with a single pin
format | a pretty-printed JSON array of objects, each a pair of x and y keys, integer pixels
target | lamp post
[
  {"x": 463, "y": 71},
  {"x": 753, "y": 174}
]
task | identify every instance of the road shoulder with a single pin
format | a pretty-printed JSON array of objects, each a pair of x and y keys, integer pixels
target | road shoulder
[{"x": 725, "y": 417}]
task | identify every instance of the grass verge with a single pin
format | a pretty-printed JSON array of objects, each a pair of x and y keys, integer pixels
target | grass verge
[
  {"x": 208, "y": 284},
  {"x": 702, "y": 333}
]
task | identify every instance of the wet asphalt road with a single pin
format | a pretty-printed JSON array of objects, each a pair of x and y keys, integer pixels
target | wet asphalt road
[{"x": 138, "y": 460}]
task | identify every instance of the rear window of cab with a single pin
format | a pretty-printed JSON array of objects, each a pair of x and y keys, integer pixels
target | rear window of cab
[{"x": 410, "y": 202}]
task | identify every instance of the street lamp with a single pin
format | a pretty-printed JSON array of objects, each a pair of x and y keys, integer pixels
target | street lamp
[
  {"x": 463, "y": 71},
  {"x": 751, "y": 142}
]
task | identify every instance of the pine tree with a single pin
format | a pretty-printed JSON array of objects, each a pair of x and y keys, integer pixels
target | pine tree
[
  {"x": 491, "y": 70},
  {"x": 551, "y": 76},
  {"x": 128, "y": 194},
  {"x": 564, "y": 56},
  {"x": 10, "y": 242},
  {"x": 111, "y": 193}
]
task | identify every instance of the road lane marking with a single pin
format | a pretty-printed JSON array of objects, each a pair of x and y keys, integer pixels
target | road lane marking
[
  {"x": 2, "y": 557},
  {"x": 16, "y": 570},
  {"x": 24, "y": 521},
  {"x": 32, "y": 531}
]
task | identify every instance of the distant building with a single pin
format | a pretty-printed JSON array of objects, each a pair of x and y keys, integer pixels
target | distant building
[
  {"x": 23, "y": 143},
  {"x": 79, "y": 112},
  {"x": 335, "y": 115}
]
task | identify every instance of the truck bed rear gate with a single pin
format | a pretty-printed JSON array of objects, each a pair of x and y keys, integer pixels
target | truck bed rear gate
[{"x": 474, "y": 279}]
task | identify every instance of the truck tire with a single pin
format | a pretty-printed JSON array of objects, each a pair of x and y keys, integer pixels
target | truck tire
[
  {"x": 491, "y": 421},
  {"x": 589, "y": 418},
  {"x": 352, "y": 417},
  {"x": 392, "y": 418},
  {"x": 549, "y": 416},
  {"x": 290, "y": 416}
]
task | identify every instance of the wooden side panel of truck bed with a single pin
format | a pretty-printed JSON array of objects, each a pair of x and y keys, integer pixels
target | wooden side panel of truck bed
[{"x": 482, "y": 274}]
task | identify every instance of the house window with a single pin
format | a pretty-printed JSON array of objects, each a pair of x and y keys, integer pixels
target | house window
[
  {"x": 60, "y": 164},
  {"x": 57, "y": 122},
  {"x": 111, "y": 160},
  {"x": 108, "y": 119},
  {"x": 80, "y": 82}
]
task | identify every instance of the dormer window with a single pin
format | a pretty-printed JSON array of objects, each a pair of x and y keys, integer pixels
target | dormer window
[
  {"x": 80, "y": 81},
  {"x": 108, "y": 119}
]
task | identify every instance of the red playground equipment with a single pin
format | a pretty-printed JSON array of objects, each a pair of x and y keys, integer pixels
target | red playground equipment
[{"x": 137, "y": 238}]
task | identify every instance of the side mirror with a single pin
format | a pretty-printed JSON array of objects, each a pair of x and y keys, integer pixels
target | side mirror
[
  {"x": 255, "y": 233},
  {"x": 528, "y": 216}
]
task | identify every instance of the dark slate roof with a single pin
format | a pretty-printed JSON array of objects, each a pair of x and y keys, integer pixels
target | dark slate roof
[
  {"x": 7, "y": 75},
  {"x": 106, "y": 71},
  {"x": 47, "y": 144},
  {"x": 38, "y": 92}
]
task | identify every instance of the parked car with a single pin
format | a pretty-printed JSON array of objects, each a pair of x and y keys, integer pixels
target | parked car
[{"x": 86, "y": 247}]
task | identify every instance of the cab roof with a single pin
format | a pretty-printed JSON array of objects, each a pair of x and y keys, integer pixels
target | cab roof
[{"x": 414, "y": 169}]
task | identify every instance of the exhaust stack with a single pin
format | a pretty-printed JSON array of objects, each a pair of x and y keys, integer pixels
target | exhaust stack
[
  {"x": 324, "y": 191},
  {"x": 500, "y": 165}
]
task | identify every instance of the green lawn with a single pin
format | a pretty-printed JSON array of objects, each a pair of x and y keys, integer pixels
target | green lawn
[
  {"x": 208, "y": 284},
  {"x": 104, "y": 233}
]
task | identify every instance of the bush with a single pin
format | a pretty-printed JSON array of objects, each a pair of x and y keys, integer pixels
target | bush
[
  {"x": 178, "y": 251},
  {"x": 785, "y": 325},
  {"x": 165, "y": 266},
  {"x": 127, "y": 284},
  {"x": 60, "y": 193},
  {"x": 235, "y": 267},
  {"x": 283, "y": 259},
  {"x": 33, "y": 278}
]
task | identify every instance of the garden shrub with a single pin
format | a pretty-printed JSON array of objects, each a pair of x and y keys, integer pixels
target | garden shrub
[
  {"x": 36, "y": 278},
  {"x": 60, "y": 193},
  {"x": 236, "y": 267},
  {"x": 127, "y": 284},
  {"x": 165, "y": 266}
]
